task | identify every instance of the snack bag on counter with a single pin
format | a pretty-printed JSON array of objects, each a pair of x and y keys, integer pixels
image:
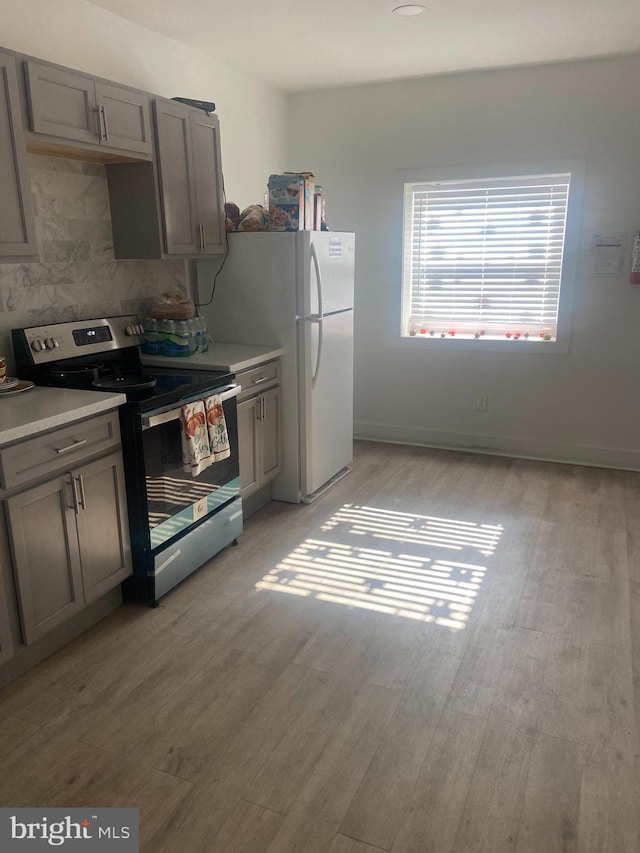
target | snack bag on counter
[
  {"x": 253, "y": 218},
  {"x": 173, "y": 305}
]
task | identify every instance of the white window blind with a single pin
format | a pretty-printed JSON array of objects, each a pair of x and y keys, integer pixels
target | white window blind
[{"x": 483, "y": 258}]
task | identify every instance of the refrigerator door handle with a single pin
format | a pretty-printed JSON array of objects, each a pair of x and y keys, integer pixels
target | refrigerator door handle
[
  {"x": 316, "y": 265},
  {"x": 315, "y": 372}
]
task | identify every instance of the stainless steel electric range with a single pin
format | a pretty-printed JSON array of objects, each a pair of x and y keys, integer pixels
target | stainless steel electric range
[{"x": 177, "y": 521}]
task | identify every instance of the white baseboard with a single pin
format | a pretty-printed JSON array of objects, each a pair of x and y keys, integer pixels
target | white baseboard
[{"x": 596, "y": 456}]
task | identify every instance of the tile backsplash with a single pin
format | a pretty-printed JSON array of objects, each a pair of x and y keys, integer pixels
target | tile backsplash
[{"x": 78, "y": 277}]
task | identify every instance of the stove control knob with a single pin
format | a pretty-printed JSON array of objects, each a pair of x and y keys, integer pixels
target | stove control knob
[
  {"x": 129, "y": 330},
  {"x": 37, "y": 345},
  {"x": 51, "y": 343},
  {"x": 138, "y": 330}
]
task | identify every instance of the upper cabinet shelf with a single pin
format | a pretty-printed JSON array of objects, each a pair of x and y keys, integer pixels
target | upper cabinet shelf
[
  {"x": 68, "y": 107},
  {"x": 164, "y": 168}
]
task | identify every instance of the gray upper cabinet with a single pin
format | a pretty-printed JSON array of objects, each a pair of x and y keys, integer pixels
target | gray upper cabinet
[
  {"x": 125, "y": 118},
  {"x": 17, "y": 226},
  {"x": 67, "y": 105},
  {"x": 62, "y": 103},
  {"x": 207, "y": 166},
  {"x": 176, "y": 172},
  {"x": 190, "y": 172}
]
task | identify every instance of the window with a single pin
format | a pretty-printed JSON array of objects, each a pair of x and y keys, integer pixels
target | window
[{"x": 483, "y": 258}]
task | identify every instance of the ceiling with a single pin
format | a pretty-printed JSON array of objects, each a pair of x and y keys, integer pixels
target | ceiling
[{"x": 311, "y": 44}]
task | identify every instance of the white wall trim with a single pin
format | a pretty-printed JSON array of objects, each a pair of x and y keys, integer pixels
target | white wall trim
[{"x": 501, "y": 445}]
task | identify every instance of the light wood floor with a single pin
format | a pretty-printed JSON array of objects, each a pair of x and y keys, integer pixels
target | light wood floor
[{"x": 441, "y": 655}]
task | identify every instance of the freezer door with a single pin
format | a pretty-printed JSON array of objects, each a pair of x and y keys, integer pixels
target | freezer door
[
  {"x": 326, "y": 398},
  {"x": 325, "y": 261}
]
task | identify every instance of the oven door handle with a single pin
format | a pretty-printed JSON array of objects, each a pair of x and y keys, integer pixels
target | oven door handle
[{"x": 175, "y": 414}]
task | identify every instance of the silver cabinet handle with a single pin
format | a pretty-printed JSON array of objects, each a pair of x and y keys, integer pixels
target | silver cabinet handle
[
  {"x": 259, "y": 409},
  {"x": 201, "y": 234},
  {"x": 105, "y": 129},
  {"x": 76, "y": 499},
  {"x": 83, "y": 497},
  {"x": 259, "y": 380},
  {"x": 69, "y": 447},
  {"x": 204, "y": 239}
]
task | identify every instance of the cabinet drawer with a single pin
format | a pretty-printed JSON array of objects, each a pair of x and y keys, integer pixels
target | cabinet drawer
[
  {"x": 58, "y": 449},
  {"x": 257, "y": 379}
]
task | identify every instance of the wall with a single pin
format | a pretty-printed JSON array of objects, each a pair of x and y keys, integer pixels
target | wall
[
  {"x": 82, "y": 36},
  {"x": 582, "y": 406},
  {"x": 78, "y": 276}
]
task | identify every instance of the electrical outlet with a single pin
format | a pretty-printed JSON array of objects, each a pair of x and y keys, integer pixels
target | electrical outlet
[{"x": 482, "y": 403}]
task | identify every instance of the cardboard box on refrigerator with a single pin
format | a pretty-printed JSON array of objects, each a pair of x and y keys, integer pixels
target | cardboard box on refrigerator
[
  {"x": 286, "y": 202},
  {"x": 309, "y": 194}
]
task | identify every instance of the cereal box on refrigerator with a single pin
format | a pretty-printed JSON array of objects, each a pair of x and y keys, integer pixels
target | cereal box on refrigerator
[{"x": 286, "y": 203}]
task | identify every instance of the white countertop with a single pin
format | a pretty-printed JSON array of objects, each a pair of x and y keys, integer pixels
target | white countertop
[
  {"x": 231, "y": 357},
  {"x": 41, "y": 409}
]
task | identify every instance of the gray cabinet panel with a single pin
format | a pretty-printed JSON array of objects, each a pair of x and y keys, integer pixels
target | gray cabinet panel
[
  {"x": 125, "y": 119},
  {"x": 68, "y": 105},
  {"x": 103, "y": 531},
  {"x": 44, "y": 541},
  {"x": 6, "y": 641},
  {"x": 248, "y": 413},
  {"x": 62, "y": 103},
  {"x": 23, "y": 462},
  {"x": 271, "y": 459},
  {"x": 259, "y": 427},
  {"x": 17, "y": 226},
  {"x": 176, "y": 179},
  {"x": 205, "y": 140}
]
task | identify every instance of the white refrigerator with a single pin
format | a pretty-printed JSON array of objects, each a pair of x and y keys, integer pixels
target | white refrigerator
[{"x": 295, "y": 291}]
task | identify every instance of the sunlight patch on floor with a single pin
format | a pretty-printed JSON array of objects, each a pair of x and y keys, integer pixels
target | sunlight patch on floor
[{"x": 414, "y": 575}]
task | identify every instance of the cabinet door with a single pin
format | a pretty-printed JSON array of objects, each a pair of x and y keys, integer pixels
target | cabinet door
[
  {"x": 42, "y": 529},
  {"x": 6, "y": 642},
  {"x": 207, "y": 168},
  {"x": 62, "y": 103},
  {"x": 248, "y": 424},
  {"x": 271, "y": 435},
  {"x": 177, "y": 191},
  {"x": 103, "y": 529},
  {"x": 17, "y": 227},
  {"x": 124, "y": 116}
]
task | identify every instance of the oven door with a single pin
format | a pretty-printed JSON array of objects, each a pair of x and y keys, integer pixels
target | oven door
[{"x": 175, "y": 499}]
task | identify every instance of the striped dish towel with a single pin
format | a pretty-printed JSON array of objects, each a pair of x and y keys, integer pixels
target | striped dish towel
[
  {"x": 218, "y": 436},
  {"x": 196, "y": 450}
]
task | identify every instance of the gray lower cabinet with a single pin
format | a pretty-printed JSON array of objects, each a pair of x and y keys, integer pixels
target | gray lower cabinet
[
  {"x": 259, "y": 436},
  {"x": 75, "y": 107},
  {"x": 70, "y": 542},
  {"x": 17, "y": 225},
  {"x": 248, "y": 443},
  {"x": 6, "y": 641}
]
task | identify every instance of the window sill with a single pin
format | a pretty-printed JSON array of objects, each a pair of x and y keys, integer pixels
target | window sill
[{"x": 530, "y": 346}]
